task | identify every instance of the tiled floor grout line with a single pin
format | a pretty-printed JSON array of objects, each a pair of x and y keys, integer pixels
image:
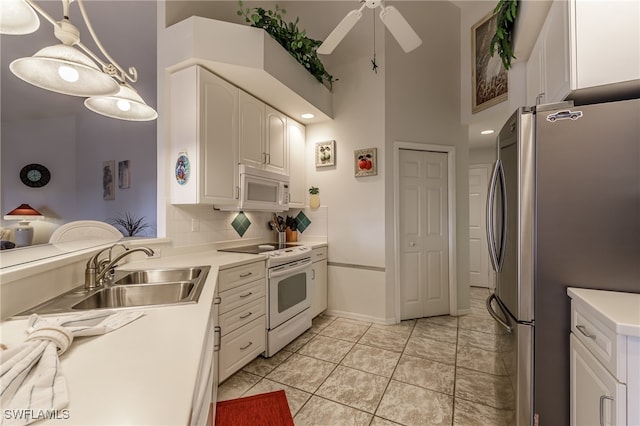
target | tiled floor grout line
[
  {"x": 392, "y": 373},
  {"x": 372, "y": 341}
]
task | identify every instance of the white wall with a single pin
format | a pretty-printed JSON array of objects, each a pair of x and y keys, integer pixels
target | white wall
[{"x": 423, "y": 106}]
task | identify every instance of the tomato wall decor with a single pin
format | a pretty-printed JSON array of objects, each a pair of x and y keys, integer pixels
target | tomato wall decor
[{"x": 366, "y": 162}]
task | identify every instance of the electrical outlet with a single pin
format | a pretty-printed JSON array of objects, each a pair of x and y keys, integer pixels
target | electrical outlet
[{"x": 195, "y": 225}]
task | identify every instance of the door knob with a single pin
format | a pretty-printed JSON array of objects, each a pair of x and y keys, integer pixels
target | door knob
[{"x": 412, "y": 244}]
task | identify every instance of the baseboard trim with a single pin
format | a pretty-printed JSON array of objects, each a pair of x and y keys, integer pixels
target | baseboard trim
[
  {"x": 463, "y": 312},
  {"x": 360, "y": 317}
]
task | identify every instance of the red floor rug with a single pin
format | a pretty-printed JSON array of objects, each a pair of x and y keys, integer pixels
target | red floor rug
[{"x": 266, "y": 409}]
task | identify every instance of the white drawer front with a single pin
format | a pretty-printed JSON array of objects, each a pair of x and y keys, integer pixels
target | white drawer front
[
  {"x": 241, "y": 346},
  {"x": 601, "y": 341},
  {"x": 319, "y": 253},
  {"x": 241, "y": 315},
  {"x": 233, "y": 277},
  {"x": 239, "y": 296}
]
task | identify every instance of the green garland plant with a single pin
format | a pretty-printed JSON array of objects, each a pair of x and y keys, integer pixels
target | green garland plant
[
  {"x": 506, "y": 13},
  {"x": 293, "y": 39}
]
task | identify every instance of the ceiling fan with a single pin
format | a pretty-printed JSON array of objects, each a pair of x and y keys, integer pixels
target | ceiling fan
[{"x": 392, "y": 19}]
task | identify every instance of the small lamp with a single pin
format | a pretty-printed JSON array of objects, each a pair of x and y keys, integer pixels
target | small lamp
[{"x": 24, "y": 213}]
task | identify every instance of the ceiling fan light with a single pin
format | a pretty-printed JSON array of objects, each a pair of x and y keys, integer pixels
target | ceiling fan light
[
  {"x": 400, "y": 29},
  {"x": 125, "y": 105},
  {"x": 17, "y": 17},
  {"x": 64, "y": 69}
]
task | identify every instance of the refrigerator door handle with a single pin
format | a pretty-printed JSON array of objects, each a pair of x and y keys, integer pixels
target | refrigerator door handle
[
  {"x": 503, "y": 234},
  {"x": 495, "y": 316},
  {"x": 491, "y": 240}
]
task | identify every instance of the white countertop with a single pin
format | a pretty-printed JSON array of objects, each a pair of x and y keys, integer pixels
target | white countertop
[
  {"x": 145, "y": 372},
  {"x": 617, "y": 310}
]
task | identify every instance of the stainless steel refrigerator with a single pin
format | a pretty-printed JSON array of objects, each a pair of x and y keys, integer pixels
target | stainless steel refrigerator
[{"x": 563, "y": 210}]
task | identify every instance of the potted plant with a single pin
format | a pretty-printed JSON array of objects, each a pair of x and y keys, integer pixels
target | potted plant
[
  {"x": 129, "y": 224},
  {"x": 314, "y": 197}
]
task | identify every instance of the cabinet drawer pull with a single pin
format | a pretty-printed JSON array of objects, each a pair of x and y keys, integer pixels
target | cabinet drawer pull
[
  {"x": 245, "y": 347},
  {"x": 218, "y": 336},
  {"x": 583, "y": 330},
  {"x": 246, "y": 274},
  {"x": 602, "y": 398},
  {"x": 246, "y": 295},
  {"x": 247, "y": 315}
]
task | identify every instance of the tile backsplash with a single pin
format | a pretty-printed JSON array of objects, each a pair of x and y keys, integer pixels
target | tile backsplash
[{"x": 195, "y": 225}]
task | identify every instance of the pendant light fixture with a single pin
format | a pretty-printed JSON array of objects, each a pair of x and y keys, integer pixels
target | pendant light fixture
[
  {"x": 124, "y": 105},
  {"x": 17, "y": 17},
  {"x": 73, "y": 69}
]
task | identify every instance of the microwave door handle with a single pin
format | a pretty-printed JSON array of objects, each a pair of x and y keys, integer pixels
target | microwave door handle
[
  {"x": 491, "y": 241},
  {"x": 277, "y": 272},
  {"x": 503, "y": 235}
]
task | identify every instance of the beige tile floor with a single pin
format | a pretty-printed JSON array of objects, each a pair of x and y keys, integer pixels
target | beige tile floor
[{"x": 431, "y": 371}]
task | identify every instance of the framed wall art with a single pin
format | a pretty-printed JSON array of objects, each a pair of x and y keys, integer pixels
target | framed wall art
[
  {"x": 366, "y": 162},
  {"x": 489, "y": 77},
  {"x": 326, "y": 154},
  {"x": 108, "y": 180},
  {"x": 124, "y": 174}
]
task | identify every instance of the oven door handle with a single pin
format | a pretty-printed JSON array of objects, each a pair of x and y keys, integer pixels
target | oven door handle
[{"x": 287, "y": 270}]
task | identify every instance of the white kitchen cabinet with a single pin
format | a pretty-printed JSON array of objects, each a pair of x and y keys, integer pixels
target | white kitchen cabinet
[
  {"x": 584, "y": 46},
  {"x": 605, "y": 357},
  {"x": 297, "y": 164},
  {"x": 263, "y": 135},
  {"x": 242, "y": 321},
  {"x": 276, "y": 141},
  {"x": 319, "y": 278},
  {"x": 204, "y": 138}
]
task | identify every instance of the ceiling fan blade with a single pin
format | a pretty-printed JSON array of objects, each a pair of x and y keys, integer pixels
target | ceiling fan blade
[
  {"x": 400, "y": 29},
  {"x": 339, "y": 32}
]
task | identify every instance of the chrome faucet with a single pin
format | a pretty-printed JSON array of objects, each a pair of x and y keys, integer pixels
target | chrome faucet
[{"x": 97, "y": 269}]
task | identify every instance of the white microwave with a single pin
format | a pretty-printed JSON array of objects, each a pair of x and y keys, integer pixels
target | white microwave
[{"x": 262, "y": 190}]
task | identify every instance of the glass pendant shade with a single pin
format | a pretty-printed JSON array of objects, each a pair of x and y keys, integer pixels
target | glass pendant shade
[
  {"x": 125, "y": 105},
  {"x": 64, "y": 69},
  {"x": 17, "y": 17}
]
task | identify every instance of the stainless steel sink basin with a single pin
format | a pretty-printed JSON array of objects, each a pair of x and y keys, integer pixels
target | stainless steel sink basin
[
  {"x": 124, "y": 296},
  {"x": 158, "y": 276},
  {"x": 141, "y": 288}
]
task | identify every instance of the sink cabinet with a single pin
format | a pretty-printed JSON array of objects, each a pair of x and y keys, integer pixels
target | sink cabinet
[
  {"x": 319, "y": 278},
  {"x": 204, "y": 131},
  {"x": 241, "y": 314}
]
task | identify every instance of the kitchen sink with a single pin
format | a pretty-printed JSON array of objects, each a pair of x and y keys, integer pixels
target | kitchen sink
[
  {"x": 158, "y": 276},
  {"x": 130, "y": 289},
  {"x": 123, "y": 296}
]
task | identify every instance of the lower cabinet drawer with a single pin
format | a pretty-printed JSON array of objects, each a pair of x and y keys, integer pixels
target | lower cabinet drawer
[
  {"x": 239, "y": 296},
  {"x": 241, "y": 346},
  {"x": 241, "y": 315}
]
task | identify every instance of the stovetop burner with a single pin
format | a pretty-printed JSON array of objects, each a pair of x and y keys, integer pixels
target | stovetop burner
[{"x": 259, "y": 248}]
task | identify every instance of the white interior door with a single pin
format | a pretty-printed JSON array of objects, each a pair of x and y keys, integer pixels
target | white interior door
[
  {"x": 424, "y": 234},
  {"x": 478, "y": 252}
]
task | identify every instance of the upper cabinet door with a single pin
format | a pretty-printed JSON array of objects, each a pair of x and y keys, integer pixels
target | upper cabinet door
[
  {"x": 297, "y": 164},
  {"x": 252, "y": 130},
  {"x": 219, "y": 152},
  {"x": 276, "y": 142},
  {"x": 204, "y": 138}
]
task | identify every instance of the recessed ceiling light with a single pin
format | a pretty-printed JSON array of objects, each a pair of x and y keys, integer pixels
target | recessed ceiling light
[
  {"x": 487, "y": 132},
  {"x": 307, "y": 115}
]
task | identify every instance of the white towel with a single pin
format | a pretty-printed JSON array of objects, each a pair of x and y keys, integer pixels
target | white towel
[{"x": 32, "y": 384}]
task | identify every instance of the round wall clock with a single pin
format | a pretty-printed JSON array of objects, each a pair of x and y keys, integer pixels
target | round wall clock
[{"x": 35, "y": 175}]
